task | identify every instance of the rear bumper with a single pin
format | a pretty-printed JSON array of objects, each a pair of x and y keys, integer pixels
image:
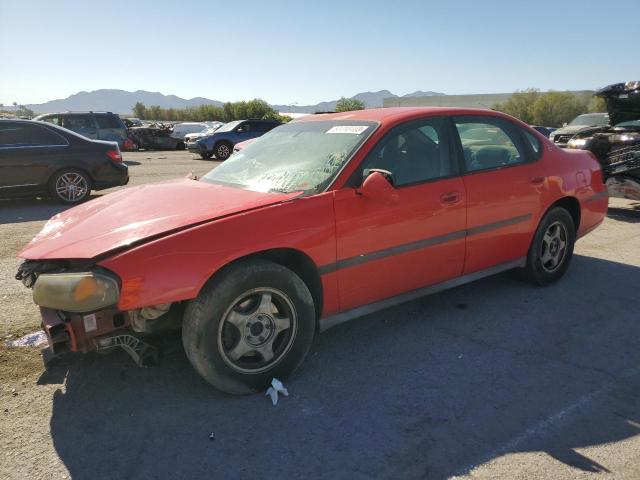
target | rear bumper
[
  {"x": 116, "y": 177},
  {"x": 68, "y": 332}
]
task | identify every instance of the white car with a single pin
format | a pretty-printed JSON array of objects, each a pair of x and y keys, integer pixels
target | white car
[
  {"x": 182, "y": 129},
  {"x": 192, "y": 137}
]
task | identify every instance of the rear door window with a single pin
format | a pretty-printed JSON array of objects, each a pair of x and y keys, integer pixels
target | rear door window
[
  {"x": 265, "y": 126},
  {"x": 489, "y": 143},
  {"x": 20, "y": 135},
  {"x": 13, "y": 134}
]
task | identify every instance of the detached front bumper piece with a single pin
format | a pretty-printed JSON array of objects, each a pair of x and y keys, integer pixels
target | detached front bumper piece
[{"x": 75, "y": 332}]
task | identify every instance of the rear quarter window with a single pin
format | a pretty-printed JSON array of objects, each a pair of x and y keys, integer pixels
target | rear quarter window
[
  {"x": 108, "y": 121},
  {"x": 78, "y": 122},
  {"x": 535, "y": 143}
]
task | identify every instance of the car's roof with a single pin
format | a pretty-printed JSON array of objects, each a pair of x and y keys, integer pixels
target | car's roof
[
  {"x": 398, "y": 114},
  {"x": 78, "y": 112},
  {"x": 22, "y": 120}
]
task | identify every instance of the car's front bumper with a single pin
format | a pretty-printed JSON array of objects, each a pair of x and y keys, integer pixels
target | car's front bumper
[{"x": 194, "y": 147}]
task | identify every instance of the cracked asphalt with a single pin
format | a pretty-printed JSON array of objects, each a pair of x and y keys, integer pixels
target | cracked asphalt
[{"x": 495, "y": 379}]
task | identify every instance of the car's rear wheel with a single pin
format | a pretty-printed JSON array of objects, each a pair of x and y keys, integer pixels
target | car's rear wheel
[
  {"x": 223, "y": 150},
  {"x": 70, "y": 186},
  {"x": 552, "y": 248},
  {"x": 253, "y": 322},
  {"x": 206, "y": 156}
]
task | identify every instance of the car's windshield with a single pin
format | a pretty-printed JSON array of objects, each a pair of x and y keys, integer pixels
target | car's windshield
[
  {"x": 629, "y": 123},
  {"x": 299, "y": 156},
  {"x": 590, "y": 119},
  {"x": 227, "y": 127}
]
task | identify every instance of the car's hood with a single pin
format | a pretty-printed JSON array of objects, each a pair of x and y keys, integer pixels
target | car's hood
[
  {"x": 195, "y": 135},
  {"x": 132, "y": 215},
  {"x": 623, "y": 101},
  {"x": 569, "y": 130}
]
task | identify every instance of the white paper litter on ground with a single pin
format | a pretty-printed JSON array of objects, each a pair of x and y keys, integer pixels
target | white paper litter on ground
[
  {"x": 34, "y": 339},
  {"x": 275, "y": 388}
]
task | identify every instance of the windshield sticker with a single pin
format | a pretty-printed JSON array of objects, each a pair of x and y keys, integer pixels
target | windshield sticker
[{"x": 353, "y": 129}]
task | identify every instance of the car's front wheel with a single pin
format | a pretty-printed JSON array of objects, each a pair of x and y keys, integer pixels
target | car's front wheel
[
  {"x": 70, "y": 186},
  {"x": 552, "y": 248},
  {"x": 253, "y": 322},
  {"x": 223, "y": 150}
]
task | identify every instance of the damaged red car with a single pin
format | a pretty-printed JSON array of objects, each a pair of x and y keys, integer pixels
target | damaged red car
[{"x": 321, "y": 220}]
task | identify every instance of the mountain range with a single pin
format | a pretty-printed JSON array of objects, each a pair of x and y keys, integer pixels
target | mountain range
[{"x": 122, "y": 101}]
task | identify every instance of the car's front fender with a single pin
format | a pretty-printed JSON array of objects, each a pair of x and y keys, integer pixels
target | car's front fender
[{"x": 175, "y": 267}]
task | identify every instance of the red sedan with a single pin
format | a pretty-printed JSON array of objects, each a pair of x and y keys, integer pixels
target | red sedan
[{"x": 318, "y": 221}]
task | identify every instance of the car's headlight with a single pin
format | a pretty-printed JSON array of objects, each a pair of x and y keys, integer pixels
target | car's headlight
[
  {"x": 577, "y": 142},
  {"x": 76, "y": 292}
]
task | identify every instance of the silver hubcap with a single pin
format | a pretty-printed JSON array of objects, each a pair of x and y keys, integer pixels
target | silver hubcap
[
  {"x": 71, "y": 186},
  {"x": 258, "y": 330},
  {"x": 554, "y": 247},
  {"x": 223, "y": 151}
]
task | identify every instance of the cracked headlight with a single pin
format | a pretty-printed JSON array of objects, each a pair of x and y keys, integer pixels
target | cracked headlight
[{"x": 76, "y": 292}]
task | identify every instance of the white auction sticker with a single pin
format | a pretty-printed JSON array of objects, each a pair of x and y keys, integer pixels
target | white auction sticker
[
  {"x": 90, "y": 323},
  {"x": 353, "y": 129}
]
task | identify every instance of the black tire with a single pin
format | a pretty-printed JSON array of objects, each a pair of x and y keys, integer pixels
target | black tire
[
  {"x": 206, "y": 156},
  {"x": 223, "y": 150},
  {"x": 210, "y": 337},
  {"x": 70, "y": 186},
  {"x": 541, "y": 268}
]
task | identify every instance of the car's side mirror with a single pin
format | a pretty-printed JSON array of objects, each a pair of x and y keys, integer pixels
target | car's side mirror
[
  {"x": 378, "y": 185},
  {"x": 564, "y": 124}
]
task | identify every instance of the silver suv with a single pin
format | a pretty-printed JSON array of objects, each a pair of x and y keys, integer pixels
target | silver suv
[{"x": 96, "y": 125}]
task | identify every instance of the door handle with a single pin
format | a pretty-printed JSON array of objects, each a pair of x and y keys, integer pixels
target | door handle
[
  {"x": 538, "y": 180},
  {"x": 450, "y": 198}
]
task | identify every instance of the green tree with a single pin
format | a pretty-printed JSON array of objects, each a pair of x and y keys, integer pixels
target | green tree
[
  {"x": 555, "y": 108},
  {"x": 520, "y": 104},
  {"x": 255, "y": 108},
  {"x": 596, "y": 104},
  {"x": 139, "y": 110},
  {"x": 23, "y": 111},
  {"x": 349, "y": 104},
  {"x": 154, "y": 112}
]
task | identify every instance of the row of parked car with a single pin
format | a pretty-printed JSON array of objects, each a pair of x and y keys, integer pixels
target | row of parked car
[
  {"x": 67, "y": 155},
  {"x": 130, "y": 133},
  {"x": 207, "y": 139}
]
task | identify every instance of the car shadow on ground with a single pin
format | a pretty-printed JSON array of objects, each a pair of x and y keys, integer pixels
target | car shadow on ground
[
  {"x": 19, "y": 210},
  {"x": 629, "y": 214},
  {"x": 428, "y": 389}
]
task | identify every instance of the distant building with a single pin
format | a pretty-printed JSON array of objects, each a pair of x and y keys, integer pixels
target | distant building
[{"x": 481, "y": 100}]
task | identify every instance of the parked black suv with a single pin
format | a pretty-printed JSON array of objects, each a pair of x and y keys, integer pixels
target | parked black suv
[
  {"x": 38, "y": 158},
  {"x": 96, "y": 125},
  {"x": 617, "y": 146}
]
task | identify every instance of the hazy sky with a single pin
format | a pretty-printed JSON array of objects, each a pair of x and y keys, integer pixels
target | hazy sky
[{"x": 306, "y": 51}]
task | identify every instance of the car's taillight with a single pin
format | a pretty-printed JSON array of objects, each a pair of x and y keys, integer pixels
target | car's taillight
[
  {"x": 115, "y": 155},
  {"x": 128, "y": 144}
]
